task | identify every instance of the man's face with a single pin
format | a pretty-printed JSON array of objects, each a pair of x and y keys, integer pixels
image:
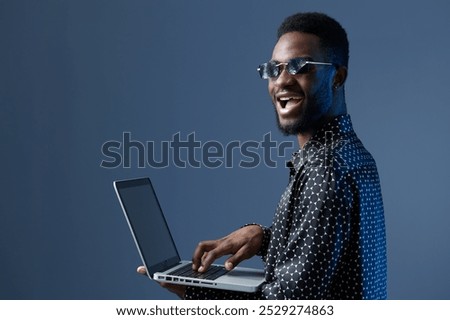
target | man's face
[{"x": 301, "y": 100}]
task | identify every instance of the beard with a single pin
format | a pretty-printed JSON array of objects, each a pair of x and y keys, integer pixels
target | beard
[
  {"x": 301, "y": 125},
  {"x": 310, "y": 117}
]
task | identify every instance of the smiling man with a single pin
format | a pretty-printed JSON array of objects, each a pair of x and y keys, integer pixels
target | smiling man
[
  {"x": 327, "y": 239},
  {"x": 303, "y": 101}
]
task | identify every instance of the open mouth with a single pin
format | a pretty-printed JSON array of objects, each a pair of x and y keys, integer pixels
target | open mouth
[{"x": 288, "y": 101}]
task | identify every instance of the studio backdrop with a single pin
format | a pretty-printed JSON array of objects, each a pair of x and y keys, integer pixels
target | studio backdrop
[{"x": 95, "y": 91}]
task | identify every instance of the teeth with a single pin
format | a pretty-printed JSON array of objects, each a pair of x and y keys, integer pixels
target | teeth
[{"x": 287, "y": 98}]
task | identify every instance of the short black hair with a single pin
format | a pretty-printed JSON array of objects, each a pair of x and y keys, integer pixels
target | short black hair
[{"x": 332, "y": 35}]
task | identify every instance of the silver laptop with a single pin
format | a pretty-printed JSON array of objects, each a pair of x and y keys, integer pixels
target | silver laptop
[{"x": 157, "y": 248}]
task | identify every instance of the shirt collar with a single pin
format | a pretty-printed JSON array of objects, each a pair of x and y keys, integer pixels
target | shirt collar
[
  {"x": 337, "y": 127},
  {"x": 330, "y": 132}
]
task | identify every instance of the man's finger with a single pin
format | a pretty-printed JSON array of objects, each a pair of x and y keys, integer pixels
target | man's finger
[
  {"x": 238, "y": 257},
  {"x": 202, "y": 248},
  {"x": 208, "y": 259},
  {"x": 221, "y": 247},
  {"x": 142, "y": 270}
]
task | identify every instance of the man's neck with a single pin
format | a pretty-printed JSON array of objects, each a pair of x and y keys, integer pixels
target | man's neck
[
  {"x": 338, "y": 108},
  {"x": 303, "y": 138}
]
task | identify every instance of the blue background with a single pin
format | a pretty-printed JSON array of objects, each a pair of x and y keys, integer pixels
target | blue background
[{"x": 75, "y": 74}]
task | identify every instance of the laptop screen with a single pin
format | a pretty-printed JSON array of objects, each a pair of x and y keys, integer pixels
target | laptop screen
[{"x": 148, "y": 224}]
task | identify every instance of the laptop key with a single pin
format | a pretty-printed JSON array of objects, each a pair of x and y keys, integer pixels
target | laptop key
[{"x": 211, "y": 274}]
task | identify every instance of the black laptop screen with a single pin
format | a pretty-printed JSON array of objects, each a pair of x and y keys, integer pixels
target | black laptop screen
[{"x": 148, "y": 224}]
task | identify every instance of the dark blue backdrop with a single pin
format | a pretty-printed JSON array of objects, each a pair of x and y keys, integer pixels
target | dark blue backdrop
[{"x": 75, "y": 74}]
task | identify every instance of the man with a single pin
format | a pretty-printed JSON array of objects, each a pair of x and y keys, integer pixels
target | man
[{"x": 327, "y": 240}]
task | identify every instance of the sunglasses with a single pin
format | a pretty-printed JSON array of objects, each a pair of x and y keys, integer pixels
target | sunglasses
[{"x": 273, "y": 69}]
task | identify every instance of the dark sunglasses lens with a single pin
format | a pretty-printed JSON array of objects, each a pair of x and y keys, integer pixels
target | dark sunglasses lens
[
  {"x": 298, "y": 66},
  {"x": 269, "y": 70},
  {"x": 262, "y": 69}
]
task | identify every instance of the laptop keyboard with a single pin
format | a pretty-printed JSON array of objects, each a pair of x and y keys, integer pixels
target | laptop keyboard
[{"x": 212, "y": 273}]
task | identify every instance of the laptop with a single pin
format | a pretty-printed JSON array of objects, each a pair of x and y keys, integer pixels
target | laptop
[{"x": 158, "y": 250}]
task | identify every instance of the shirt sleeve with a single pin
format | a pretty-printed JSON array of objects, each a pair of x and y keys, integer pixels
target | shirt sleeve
[{"x": 307, "y": 247}]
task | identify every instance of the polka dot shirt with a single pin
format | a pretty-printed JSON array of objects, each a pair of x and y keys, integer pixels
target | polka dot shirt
[{"x": 327, "y": 240}]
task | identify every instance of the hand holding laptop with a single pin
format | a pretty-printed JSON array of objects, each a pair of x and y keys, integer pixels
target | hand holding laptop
[
  {"x": 160, "y": 256},
  {"x": 243, "y": 244}
]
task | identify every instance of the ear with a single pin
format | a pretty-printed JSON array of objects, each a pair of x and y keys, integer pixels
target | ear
[{"x": 340, "y": 77}]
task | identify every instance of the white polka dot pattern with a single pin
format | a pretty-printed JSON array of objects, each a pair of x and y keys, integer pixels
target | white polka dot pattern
[{"x": 327, "y": 240}]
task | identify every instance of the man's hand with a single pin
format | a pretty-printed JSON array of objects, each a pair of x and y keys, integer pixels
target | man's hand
[
  {"x": 174, "y": 288},
  {"x": 242, "y": 244}
]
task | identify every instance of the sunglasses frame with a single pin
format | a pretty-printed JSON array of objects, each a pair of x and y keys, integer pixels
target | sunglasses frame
[{"x": 302, "y": 62}]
